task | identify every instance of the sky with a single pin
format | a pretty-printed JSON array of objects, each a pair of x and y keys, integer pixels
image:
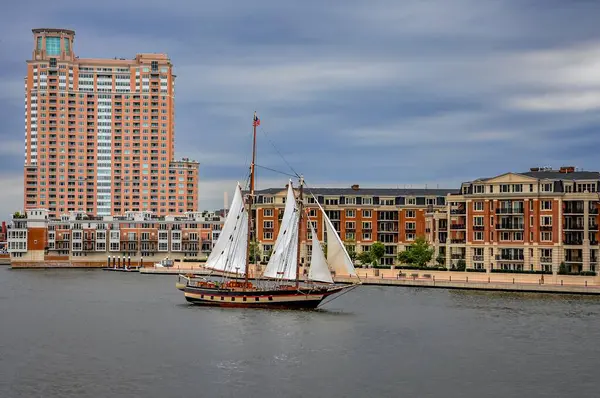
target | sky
[{"x": 380, "y": 93}]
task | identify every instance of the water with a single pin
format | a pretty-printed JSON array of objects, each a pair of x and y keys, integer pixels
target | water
[{"x": 104, "y": 334}]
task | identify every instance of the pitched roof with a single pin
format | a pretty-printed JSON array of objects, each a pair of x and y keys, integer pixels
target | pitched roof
[
  {"x": 557, "y": 175},
  {"x": 367, "y": 191}
]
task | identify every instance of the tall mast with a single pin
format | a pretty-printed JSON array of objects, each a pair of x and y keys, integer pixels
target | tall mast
[
  {"x": 255, "y": 123},
  {"x": 301, "y": 202}
]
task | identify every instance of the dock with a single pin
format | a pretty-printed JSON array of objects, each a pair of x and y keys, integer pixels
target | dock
[{"x": 557, "y": 284}]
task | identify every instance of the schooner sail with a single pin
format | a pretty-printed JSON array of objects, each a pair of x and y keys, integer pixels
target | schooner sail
[{"x": 230, "y": 255}]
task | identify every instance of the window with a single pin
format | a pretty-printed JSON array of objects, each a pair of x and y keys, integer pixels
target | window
[
  {"x": 268, "y": 224},
  {"x": 479, "y": 189},
  {"x": 268, "y": 212},
  {"x": 350, "y": 200},
  {"x": 331, "y": 202},
  {"x": 546, "y": 221},
  {"x": 546, "y": 205},
  {"x": 504, "y": 188},
  {"x": 350, "y": 213},
  {"x": 268, "y": 235},
  {"x": 411, "y": 201},
  {"x": 547, "y": 187},
  {"x": 518, "y": 236},
  {"x": 478, "y": 221},
  {"x": 517, "y": 187},
  {"x": 267, "y": 199},
  {"x": 67, "y": 45},
  {"x": 366, "y": 225},
  {"x": 367, "y": 201},
  {"x": 478, "y": 206},
  {"x": 387, "y": 202},
  {"x": 478, "y": 235},
  {"x": 366, "y": 214},
  {"x": 546, "y": 236},
  {"x": 410, "y": 236},
  {"x": 411, "y": 226},
  {"x": 366, "y": 236},
  {"x": 350, "y": 225},
  {"x": 52, "y": 45},
  {"x": 411, "y": 214}
]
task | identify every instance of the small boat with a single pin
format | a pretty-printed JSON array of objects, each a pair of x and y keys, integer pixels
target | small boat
[
  {"x": 165, "y": 262},
  {"x": 280, "y": 285}
]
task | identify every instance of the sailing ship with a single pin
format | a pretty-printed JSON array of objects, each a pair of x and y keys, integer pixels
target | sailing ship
[{"x": 280, "y": 285}]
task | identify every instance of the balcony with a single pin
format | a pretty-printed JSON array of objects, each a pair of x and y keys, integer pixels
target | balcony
[
  {"x": 545, "y": 227},
  {"x": 455, "y": 256},
  {"x": 544, "y": 259},
  {"x": 510, "y": 257},
  {"x": 519, "y": 210},
  {"x": 457, "y": 226},
  {"x": 510, "y": 226},
  {"x": 478, "y": 227},
  {"x": 458, "y": 211},
  {"x": 477, "y": 258},
  {"x": 458, "y": 240},
  {"x": 573, "y": 242},
  {"x": 574, "y": 227}
]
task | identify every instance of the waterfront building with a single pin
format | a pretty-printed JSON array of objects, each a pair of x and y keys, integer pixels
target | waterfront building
[
  {"x": 76, "y": 239},
  {"x": 361, "y": 216},
  {"x": 99, "y": 133},
  {"x": 531, "y": 221}
]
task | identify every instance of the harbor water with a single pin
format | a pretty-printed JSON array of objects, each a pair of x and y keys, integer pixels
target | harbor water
[{"x": 78, "y": 333}]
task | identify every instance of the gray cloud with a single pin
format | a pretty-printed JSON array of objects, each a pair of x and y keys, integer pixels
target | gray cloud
[{"x": 377, "y": 93}]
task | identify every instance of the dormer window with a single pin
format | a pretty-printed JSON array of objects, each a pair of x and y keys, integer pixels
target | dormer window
[
  {"x": 479, "y": 189},
  {"x": 350, "y": 200},
  {"x": 547, "y": 187}
]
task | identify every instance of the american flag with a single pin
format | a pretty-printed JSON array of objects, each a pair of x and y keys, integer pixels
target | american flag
[{"x": 256, "y": 121}]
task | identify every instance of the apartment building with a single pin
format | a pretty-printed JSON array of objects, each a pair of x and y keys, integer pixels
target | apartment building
[
  {"x": 99, "y": 133},
  {"x": 361, "y": 216},
  {"x": 78, "y": 239},
  {"x": 530, "y": 221}
]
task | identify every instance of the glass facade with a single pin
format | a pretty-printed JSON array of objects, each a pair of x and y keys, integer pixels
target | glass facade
[
  {"x": 67, "y": 48},
  {"x": 52, "y": 45},
  {"x": 39, "y": 43}
]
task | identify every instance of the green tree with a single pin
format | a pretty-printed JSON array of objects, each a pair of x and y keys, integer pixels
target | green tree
[
  {"x": 377, "y": 251},
  {"x": 418, "y": 253},
  {"x": 364, "y": 257},
  {"x": 441, "y": 260},
  {"x": 351, "y": 249},
  {"x": 461, "y": 265},
  {"x": 562, "y": 270},
  {"x": 255, "y": 253}
]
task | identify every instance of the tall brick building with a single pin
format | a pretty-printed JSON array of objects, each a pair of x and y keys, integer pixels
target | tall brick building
[{"x": 99, "y": 133}]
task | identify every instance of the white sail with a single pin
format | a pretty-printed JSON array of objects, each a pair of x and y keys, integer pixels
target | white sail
[
  {"x": 229, "y": 253},
  {"x": 282, "y": 264},
  {"x": 319, "y": 270},
  {"x": 337, "y": 256}
]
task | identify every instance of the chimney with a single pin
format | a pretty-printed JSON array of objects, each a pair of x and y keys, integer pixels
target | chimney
[
  {"x": 567, "y": 169},
  {"x": 355, "y": 187}
]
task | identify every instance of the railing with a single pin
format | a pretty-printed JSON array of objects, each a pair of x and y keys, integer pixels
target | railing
[
  {"x": 478, "y": 228},
  {"x": 574, "y": 227},
  {"x": 511, "y": 226},
  {"x": 510, "y": 211},
  {"x": 545, "y": 227},
  {"x": 457, "y": 256},
  {"x": 544, "y": 259},
  {"x": 572, "y": 242},
  {"x": 510, "y": 258},
  {"x": 477, "y": 258},
  {"x": 458, "y": 240},
  {"x": 457, "y": 226},
  {"x": 458, "y": 211}
]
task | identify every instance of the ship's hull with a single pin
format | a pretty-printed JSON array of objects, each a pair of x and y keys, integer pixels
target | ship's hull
[{"x": 303, "y": 298}]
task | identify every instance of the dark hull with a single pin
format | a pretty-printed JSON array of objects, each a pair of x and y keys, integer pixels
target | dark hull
[{"x": 304, "y": 298}]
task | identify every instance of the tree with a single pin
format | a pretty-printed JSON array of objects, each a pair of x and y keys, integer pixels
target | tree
[
  {"x": 441, "y": 260},
  {"x": 377, "y": 251},
  {"x": 418, "y": 253},
  {"x": 351, "y": 249},
  {"x": 255, "y": 253},
  {"x": 364, "y": 257},
  {"x": 461, "y": 265},
  {"x": 562, "y": 270}
]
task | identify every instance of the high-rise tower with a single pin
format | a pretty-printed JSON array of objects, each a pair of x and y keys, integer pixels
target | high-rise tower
[{"x": 100, "y": 133}]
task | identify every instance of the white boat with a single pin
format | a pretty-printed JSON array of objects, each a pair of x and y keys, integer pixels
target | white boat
[{"x": 164, "y": 263}]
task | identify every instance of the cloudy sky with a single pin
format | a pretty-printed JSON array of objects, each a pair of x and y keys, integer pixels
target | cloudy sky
[{"x": 379, "y": 93}]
